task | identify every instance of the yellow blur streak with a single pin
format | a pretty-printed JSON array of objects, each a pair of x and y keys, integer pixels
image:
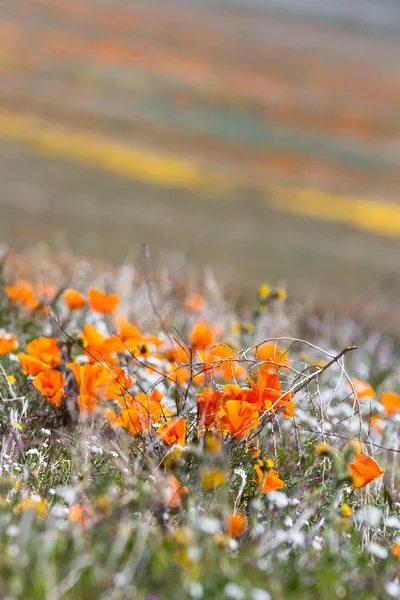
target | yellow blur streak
[
  {"x": 374, "y": 215},
  {"x": 98, "y": 151}
]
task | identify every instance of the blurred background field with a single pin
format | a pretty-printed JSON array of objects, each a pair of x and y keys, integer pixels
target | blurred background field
[{"x": 260, "y": 138}]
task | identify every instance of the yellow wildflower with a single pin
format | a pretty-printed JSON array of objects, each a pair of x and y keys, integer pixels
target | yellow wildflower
[
  {"x": 323, "y": 449},
  {"x": 212, "y": 478},
  {"x": 264, "y": 291},
  {"x": 281, "y": 294},
  {"x": 36, "y": 504},
  {"x": 346, "y": 510},
  {"x": 212, "y": 443},
  {"x": 356, "y": 445}
]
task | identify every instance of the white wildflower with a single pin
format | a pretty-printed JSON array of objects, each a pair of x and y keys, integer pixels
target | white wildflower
[
  {"x": 233, "y": 545},
  {"x": 377, "y": 550},
  {"x": 278, "y": 499},
  {"x": 12, "y": 531},
  {"x": 258, "y": 529},
  {"x": 393, "y": 521},
  {"x": 68, "y": 493},
  {"x": 392, "y": 588},
  {"x": 59, "y": 511},
  {"x": 234, "y": 591},
  {"x": 288, "y": 521},
  {"x": 369, "y": 515},
  {"x": 33, "y": 451},
  {"x": 296, "y": 537},
  {"x": 196, "y": 590},
  {"x": 119, "y": 580},
  {"x": 208, "y": 525},
  {"x": 316, "y": 544},
  {"x": 341, "y": 592},
  {"x": 194, "y": 553},
  {"x": 13, "y": 551},
  {"x": 257, "y": 594}
]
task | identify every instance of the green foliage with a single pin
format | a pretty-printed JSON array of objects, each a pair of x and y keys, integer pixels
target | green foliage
[{"x": 83, "y": 512}]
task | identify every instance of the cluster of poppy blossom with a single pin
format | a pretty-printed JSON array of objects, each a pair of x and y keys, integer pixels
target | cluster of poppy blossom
[{"x": 95, "y": 373}]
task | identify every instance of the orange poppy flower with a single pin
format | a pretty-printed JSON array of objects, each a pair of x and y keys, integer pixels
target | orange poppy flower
[
  {"x": 46, "y": 291},
  {"x": 14, "y": 291},
  {"x": 118, "y": 386},
  {"x": 139, "y": 350},
  {"x": 144, "y": 410},
  {"x": 178, "y": 354},
  {"x": 142, "y": 347},
  {"x": 377, "y": 424},
  {"x": 287, "y": 408},
  {"x": 193, "y": 302},
  {"x": 202, "y": 336},
  {"x": 236, "y": 524},
  {"x": 87, "y": 404},
  {"x": 8, "y": 343},
  {"x": 209, "y": 402},
  {"x": 267, "y": 394},
  {"x": 127, "y": 331},
  {"x": 152, "y": 339},
  {"x": 173, "y": 432},
  {"x": 50, "y": 384},
  {"x": 230, "y": 368},
  {"x": 391, "y": 402},
  {"x": 74, "y": 299},
  {"x": 152, "y": 406},
  {"x": 364, "y": 469},
  {"x": 132, "y": 419},
  {"x": 238, "y": 418},
  {"x": 363, "y": 389},
  {"x": 82, "y": 514},
  {"x": 270, "y": 481},
  {"x": 264, "y": 392},
  {"x": 232, "y": 391},
  {"x": 103, "y": 303},
  {"x": 92, "y": 380},
  {"x": 100, "y": 348},
  {"x": 23, "y": 293},
  {"x": 31, "y": 365},
  {"x": 272, "y": 356},
  {"x": 93, "y": 342},
  {"x": 111, "y": 346},
  {"x": 180, "y": 375},
  {"x": 396, "y": 550},
  {"x": 174, "y": 493},
  {"x": 45, "y": 350}
]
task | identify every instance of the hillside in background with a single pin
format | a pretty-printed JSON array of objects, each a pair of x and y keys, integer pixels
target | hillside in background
[{"x": 264, "y": 142}]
